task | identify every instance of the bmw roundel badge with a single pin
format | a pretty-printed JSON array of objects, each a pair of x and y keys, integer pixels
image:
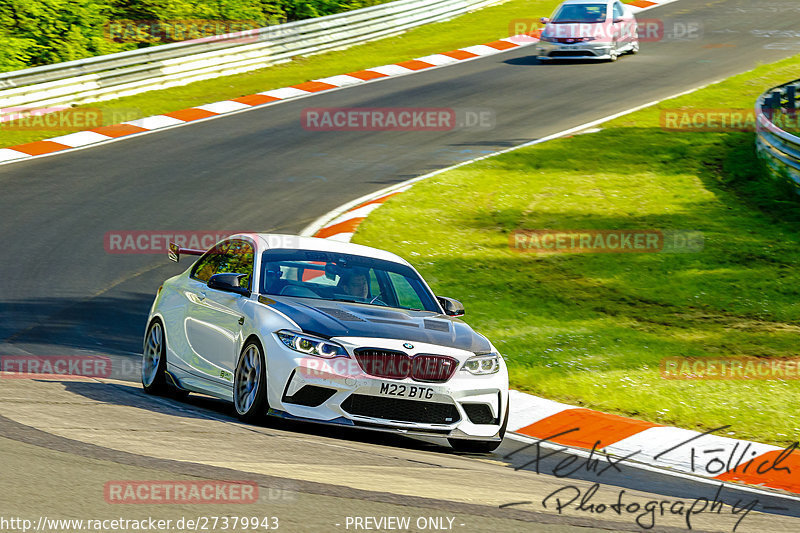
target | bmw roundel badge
[{"x": 408, "y": 346}]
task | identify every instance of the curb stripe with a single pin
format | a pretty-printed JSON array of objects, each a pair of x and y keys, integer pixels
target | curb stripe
[
  {"x": 314, "y": 86},
  {"x": 415, "y": 64},
  {"x": 758, "y": 471},
  {"x": 377, "y": 200},
  {"x": 460, "y": 54},
  {"x": 255, "y": 99},
  {"x": 366, "y": 75},
  {"x": 348, "y": 226},
  {"x": 119, "y": 130},
  {"x": 193, "y": 113},
  {"x": 40, "y": 147},
  {"x": 595, "y": 427}
]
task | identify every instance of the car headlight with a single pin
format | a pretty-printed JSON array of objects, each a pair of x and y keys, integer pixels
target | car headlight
[
  {"x": 482, "y": 364},
  {"x": 310, "y": 345},
  {"x": 547, "y": 38}
]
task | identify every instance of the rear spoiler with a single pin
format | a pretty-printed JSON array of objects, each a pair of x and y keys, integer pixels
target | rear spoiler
[{"x": 174, "y": 253}]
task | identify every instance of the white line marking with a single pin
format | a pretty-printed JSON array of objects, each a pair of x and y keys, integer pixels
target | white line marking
[
  {"x": 156, "y": 122},
  {"x": 225, "y": 106},
  {"x": 80, "y": 138},
  {"x": 286, "y": 92}
]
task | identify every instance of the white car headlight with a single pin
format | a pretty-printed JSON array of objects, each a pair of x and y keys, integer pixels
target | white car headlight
[
  {"x": 482, "y": 364},
  {"x": 310, "y": 345}
]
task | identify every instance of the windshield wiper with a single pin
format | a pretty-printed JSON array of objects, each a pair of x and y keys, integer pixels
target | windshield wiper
[{"x": 349, "y": 300}]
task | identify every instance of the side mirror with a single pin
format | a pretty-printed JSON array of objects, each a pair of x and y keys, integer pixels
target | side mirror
[
  {"x": 544, "y": 20},
  {"x": 228, "y": 282},
  {"x": 451, "y": 307},
  {"x": 618, "y": 20}
]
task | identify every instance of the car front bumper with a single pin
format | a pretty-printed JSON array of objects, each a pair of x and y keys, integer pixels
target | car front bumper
[
  {"x": 338, "y": 391},
  {"x": 587, "y": 50}
]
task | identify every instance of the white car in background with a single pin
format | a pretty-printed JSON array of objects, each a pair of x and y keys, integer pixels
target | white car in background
[
  {"x": 325, "y": 331},
  {"x": 589, "y": 29}
]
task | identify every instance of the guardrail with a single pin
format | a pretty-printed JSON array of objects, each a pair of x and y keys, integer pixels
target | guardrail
[
  {"x": 125, "y": 73},
  {"x": 779, "y": 148}
]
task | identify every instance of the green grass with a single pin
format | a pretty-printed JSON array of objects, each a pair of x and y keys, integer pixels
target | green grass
[
  {"x": 482, "y": 26},
  {"x": 591, "y": 329}
]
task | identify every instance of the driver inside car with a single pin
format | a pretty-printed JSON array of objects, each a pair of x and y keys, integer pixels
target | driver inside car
[{"x": 354, "y": 283}]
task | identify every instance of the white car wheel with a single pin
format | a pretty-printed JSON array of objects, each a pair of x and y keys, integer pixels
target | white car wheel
[
  {"x": 250, "y": 383},
  {"x": 153, "y": 360}
]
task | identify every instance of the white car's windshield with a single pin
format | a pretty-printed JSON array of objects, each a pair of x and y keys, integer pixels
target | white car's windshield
[
  {"x": 344, "y": 278},
  {"x": 583, "y": 13}
]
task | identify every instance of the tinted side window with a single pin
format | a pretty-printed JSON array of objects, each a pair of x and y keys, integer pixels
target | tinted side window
[
  {"x": 208, "y": 264},
  {"x": 238, "y": 257},
  {"x": 407, "y": 294},
  {"x": 618, "y": 11}
]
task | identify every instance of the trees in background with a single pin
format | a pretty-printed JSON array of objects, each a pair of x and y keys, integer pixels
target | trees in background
[{"x": 42, "y": 32}]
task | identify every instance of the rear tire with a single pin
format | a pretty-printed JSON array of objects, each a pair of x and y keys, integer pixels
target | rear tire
[
  {"x": 480, "y": 446},
  {"x": 250, "y": 383}
]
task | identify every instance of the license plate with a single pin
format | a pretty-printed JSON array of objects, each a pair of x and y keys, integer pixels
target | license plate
[{"x": 404, "y": 390}]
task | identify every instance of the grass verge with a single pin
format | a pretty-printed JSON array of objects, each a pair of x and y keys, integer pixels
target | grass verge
[{"x": 591, "y": 329}]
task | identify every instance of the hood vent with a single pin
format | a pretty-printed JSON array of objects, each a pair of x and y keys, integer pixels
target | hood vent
[
  {"x": 394, "y": 322},
  {"x": 437, "y": 325},
  {"x": 340, "y": 314}
]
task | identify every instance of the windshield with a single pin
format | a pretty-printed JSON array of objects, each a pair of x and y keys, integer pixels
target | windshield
[
  {"x": 586, "y": 13},
  {"x": 343, "y": 278}
]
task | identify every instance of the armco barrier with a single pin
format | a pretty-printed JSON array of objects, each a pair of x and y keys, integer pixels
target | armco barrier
[
  {"x": 126, "y": 73},
  {"x": 780, "y": 149}
]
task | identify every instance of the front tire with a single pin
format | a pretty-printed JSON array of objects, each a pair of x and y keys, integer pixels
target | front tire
[
  {"x": 250, "y": 383},
  {"x": 154, "y": 360},
  {"x": 480, "y": 446}
]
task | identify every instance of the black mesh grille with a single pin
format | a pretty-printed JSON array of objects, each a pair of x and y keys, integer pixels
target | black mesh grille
[
  {"x": 401, "y": 410},
  {"x": 570, "y": 53},
  {"x": 310, "y": 396},
  {"x": 479, "y": 413}
]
